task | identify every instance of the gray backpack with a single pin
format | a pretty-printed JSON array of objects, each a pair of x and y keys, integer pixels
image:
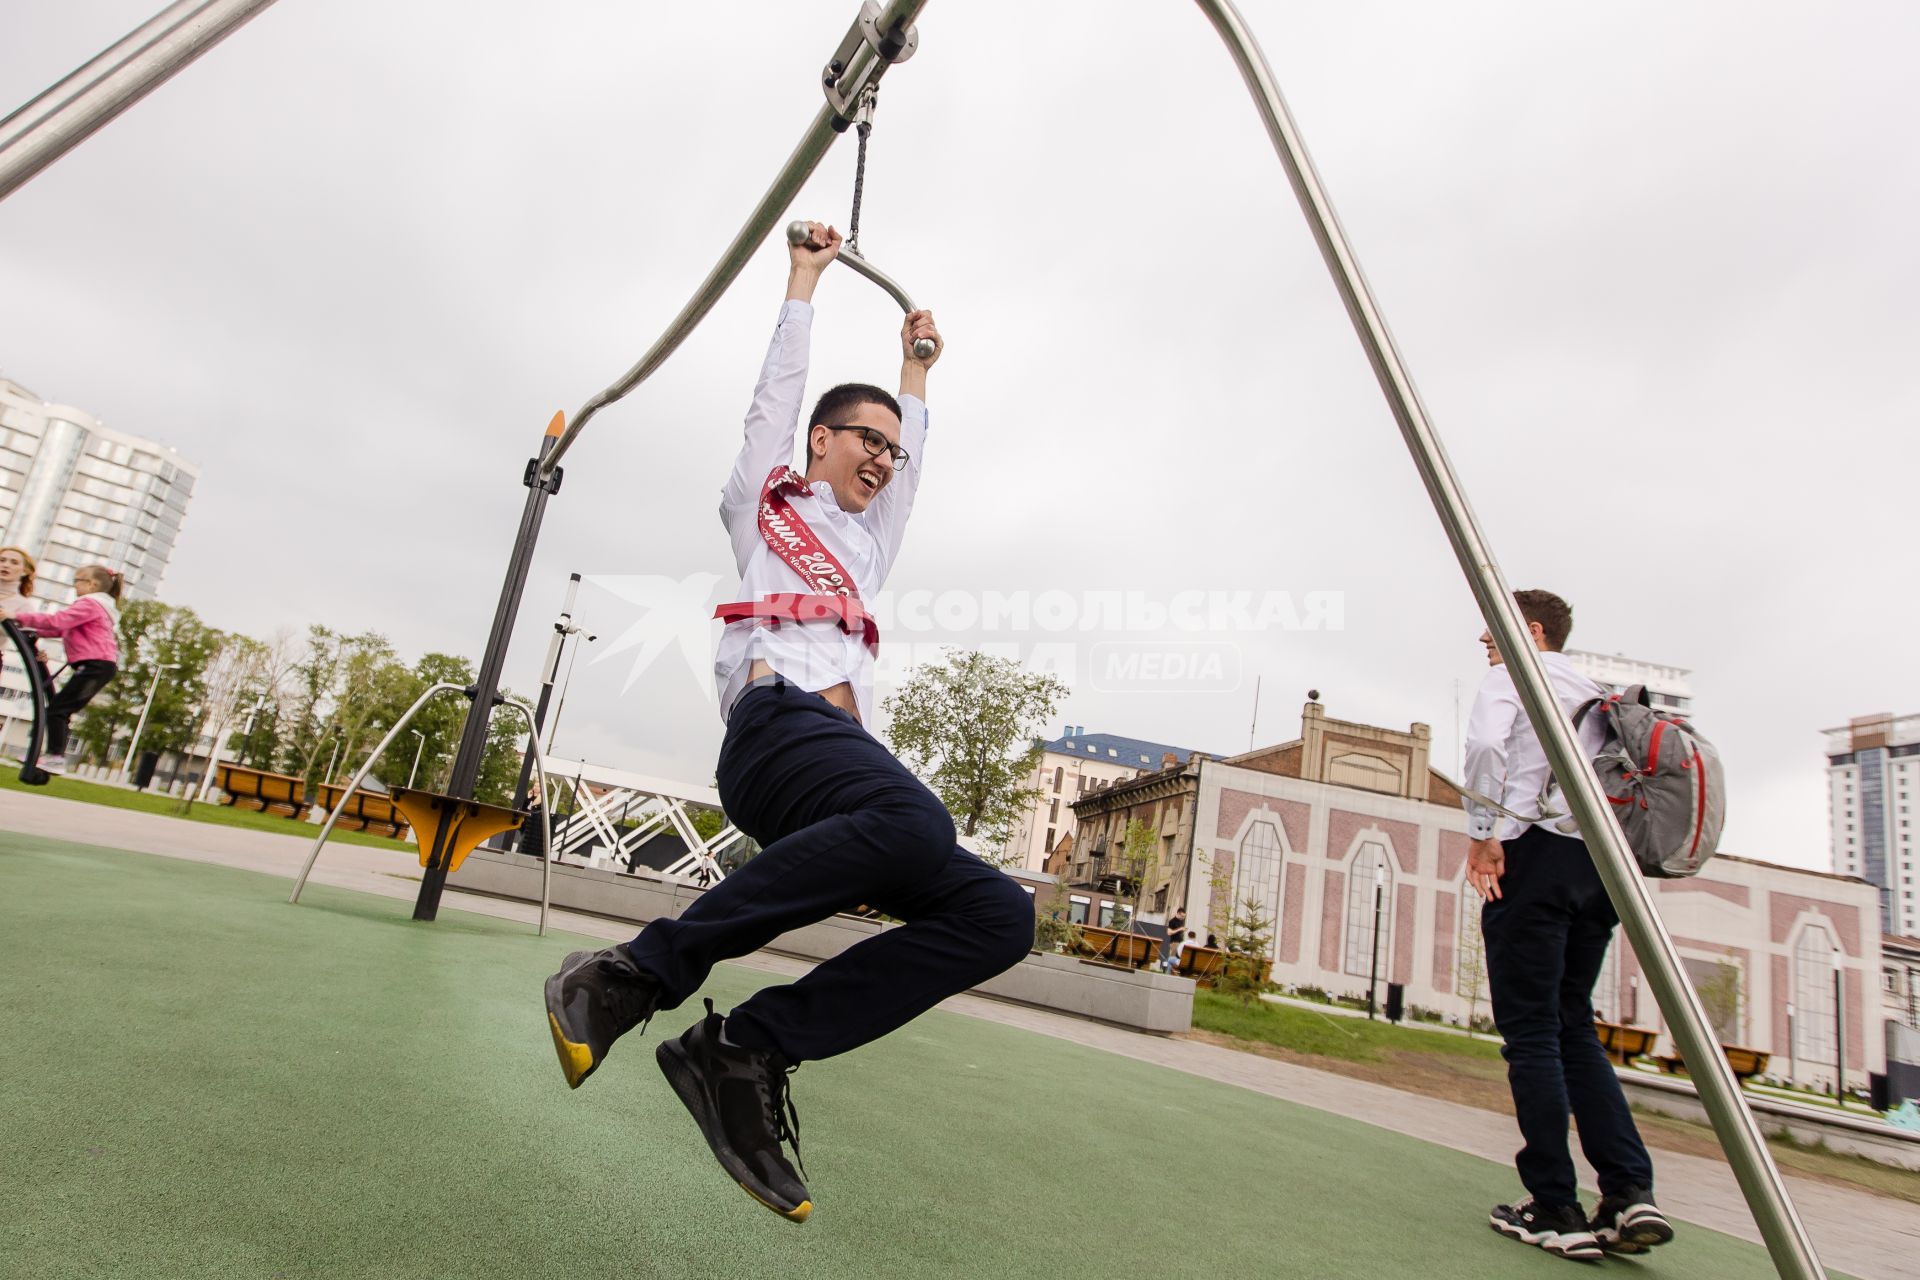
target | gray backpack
[{"x": 1664, "y": 780}]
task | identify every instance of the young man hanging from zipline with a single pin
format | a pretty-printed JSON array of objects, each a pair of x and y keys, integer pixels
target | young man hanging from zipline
[{"x": 841, "y": 821}]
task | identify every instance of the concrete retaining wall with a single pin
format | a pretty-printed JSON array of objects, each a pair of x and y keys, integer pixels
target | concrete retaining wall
[
  {"x": 1143, "y": 1001},
  {"x": 1856, "y": 1135}
]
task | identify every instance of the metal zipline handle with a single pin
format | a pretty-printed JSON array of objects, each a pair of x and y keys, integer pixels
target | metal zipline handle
[{"x": 923, "y": 348}]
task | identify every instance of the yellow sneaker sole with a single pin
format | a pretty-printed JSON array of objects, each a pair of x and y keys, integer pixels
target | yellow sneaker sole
[{"x": 576, "y": 1060}]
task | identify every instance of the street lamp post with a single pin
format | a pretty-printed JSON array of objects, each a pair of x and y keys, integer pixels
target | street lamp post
[
  {"x": 1379, "y": 898},
  {"x": 553, "y": 731},
  {"x": 1633, "y": 999},
  {"x": 1793, "y": 1049},
  {"x": 418, "y": 747},
  {"x": 126, "y": 766},
  {"x": 1840, "y": 1027}
]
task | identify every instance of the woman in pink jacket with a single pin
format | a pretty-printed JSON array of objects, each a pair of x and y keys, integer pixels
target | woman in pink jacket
[{"x": 86, "y": 628}]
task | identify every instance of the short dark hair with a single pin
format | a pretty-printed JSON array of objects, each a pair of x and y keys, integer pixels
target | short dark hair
[
  {"x": 1554, "y": 615},
  {"x": 848, "y": 395}
]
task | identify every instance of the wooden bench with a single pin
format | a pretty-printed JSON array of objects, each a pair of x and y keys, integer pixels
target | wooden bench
[
  {"x": 1205, "y": 965},
  {"x": 363, "y": 811},
  {"x": 245, "y": 788},
  {"x": 1746, "y": 1063},
  {"x": 1202, "y": 964},
  {"x": 1622, "y": 1042},
  {"x": 1118, "y": 946}
]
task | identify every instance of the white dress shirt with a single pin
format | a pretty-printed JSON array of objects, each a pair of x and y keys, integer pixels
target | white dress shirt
[
  {"x": 813, "y": 655},
  {"x": 1504, "y": 758}
]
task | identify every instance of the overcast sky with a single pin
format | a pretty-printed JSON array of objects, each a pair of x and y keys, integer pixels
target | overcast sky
[{"x": 1653, "y": 267}]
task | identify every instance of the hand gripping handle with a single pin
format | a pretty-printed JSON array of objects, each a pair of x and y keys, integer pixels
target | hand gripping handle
[{"x": 923, "y": 348}]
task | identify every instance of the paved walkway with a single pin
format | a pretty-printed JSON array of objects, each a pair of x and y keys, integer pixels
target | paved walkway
[{"x": 1871, "y": 1237}]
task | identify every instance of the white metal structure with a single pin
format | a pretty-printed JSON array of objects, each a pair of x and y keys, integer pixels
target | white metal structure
[{"x": 589, "y": 805}]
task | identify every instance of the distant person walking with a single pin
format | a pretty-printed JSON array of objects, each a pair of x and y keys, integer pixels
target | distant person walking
[
  {"x": 1547, "y": 922},
  {"x": 86, "y": 627}
]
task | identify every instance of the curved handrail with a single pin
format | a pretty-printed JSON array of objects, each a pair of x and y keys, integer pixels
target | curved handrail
[{"x": 30, "y": 771}]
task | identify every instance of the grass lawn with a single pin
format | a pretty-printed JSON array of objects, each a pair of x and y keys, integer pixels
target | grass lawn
[
  {"x": 168, "y": 806},
  {"x": 1469, "y": 1071},
  {"x": 199, "y": 1079},
  {"x": 1304, "y": 1031}
]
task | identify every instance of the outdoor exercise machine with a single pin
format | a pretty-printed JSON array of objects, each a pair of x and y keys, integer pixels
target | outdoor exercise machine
[
  {"x": 30, "y": 771},
  {"x": 447, "y": 827},
  {"x": 880, "y": 38}
]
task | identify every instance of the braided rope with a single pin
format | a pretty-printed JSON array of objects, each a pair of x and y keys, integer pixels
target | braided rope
[{"x": 865, "y": 128}]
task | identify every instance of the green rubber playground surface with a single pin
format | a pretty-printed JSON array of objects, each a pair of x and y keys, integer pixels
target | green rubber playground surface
[{"x": 197, "y": 1079}]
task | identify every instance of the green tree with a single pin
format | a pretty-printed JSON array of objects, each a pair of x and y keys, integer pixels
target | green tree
[
  {"x": 1053, "y": 925},
  {"x": 1134, "y": 861},
  {"x": 301, "y": 730},
  {"x": 153, "y": 635},
  {"x": 1471, "y": 979},
  {"x": 439, "y": 723},
  {"x": 967, "y": 727},
  {"x": 1249, "y": 935},
  {"x": 1721, "y": 997},
  {"x": 500, "y": 765},
  {"x": 234, "y": 669}
]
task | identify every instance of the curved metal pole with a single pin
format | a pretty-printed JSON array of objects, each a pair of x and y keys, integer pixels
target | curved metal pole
[
  {"x": 546, "y": 823},
  {"x": 806, "y": 157},
  {"x": 65, "y": 115},
  {"x": 1785, "y": 1235},
  {"x": 326, "y": 828},
  {"x": 922, "y": 347},
  {"x": 30, "y": 771}
]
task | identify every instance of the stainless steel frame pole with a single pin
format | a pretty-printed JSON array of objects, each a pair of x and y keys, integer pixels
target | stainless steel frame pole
[
  {"x": 546, "y": 823},
  {"x": 64, "y": 116},
  {"x": 326, "y": 828},
  {"x": 806, "y": 157},
  {"x": 1785, "y": 1235}
]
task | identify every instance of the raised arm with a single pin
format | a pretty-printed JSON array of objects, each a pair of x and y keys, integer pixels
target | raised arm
[
  {"x": 887, "y": 517},
  {"x": 775, "y": 413}
]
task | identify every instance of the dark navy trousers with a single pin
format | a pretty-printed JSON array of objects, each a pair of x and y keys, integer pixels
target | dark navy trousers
[
  {"x": 841, "y": 823},
  {"x": 1546, "y": 939}
]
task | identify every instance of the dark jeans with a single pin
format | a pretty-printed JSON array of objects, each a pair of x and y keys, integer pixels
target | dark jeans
[
  {"x": 841, "y": 823},
  {"x": 1546, "y": 938},
  {"x": 87, "y": 679}
]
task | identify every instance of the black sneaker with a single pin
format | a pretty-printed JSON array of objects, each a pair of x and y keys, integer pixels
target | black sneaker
[
  {"x": 1629, "y": 1222},
  {"x": 738, "y": 1097},
  {"x": 1560, "y": 1230},
  {"x": 597, "y": 997}
]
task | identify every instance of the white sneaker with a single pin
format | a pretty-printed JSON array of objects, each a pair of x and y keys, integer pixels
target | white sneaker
[{"x": 54, "y": 764}]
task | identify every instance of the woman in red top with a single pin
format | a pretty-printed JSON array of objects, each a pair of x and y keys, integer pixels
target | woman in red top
[{"x": 86, "y": 628}]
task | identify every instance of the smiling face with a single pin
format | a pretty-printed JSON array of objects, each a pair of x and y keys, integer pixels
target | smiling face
[{"x": 841, "y": 458}]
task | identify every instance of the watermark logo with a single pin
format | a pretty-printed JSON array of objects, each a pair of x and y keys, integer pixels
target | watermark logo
[{"x": 1113, "y": 641}]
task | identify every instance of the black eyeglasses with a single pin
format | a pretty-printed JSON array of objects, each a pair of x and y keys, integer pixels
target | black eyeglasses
[{"x": 875, "y": 444}]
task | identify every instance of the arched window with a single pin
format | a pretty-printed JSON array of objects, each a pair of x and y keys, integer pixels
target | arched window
[
  {"x": 1813, "y": 994},
  {"x": 1256, "y": 873},
  {"x": 1369, "y": 862}
]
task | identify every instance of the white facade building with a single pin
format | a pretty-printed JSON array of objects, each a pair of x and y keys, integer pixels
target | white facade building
[
  {"x": 73, "y": 492},
  {"x": 1669, "y": 687},
  {"x": 1873, "y": 775}
]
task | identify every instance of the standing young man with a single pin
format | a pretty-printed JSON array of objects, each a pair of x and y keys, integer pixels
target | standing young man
[
  {"x": 1547, "y": 922},
  {"x": 842, "y": 822}
]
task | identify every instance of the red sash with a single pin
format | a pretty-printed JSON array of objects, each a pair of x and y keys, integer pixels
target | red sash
[{"x": 834, "y": 594}]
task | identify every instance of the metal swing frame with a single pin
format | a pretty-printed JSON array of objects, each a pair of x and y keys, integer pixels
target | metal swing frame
[{"x": 880, "y": 36}]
